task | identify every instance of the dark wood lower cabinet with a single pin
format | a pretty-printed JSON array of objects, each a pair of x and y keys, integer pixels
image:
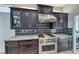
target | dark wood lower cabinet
[
  {"x": 11, "y": 47},
  {"x": 12, "y": 50},
  {"x": 22, "y": 47}
]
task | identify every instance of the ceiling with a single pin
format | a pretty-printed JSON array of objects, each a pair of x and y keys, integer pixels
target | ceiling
[
  {"x": 25, "y": 5},
  {"x": 57, "y": 5}
]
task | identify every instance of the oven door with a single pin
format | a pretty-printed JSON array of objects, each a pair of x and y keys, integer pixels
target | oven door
[{"x": 48, "y": 48}]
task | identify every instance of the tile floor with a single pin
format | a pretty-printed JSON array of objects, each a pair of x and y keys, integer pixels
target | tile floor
[{"x": 66, "y": 52}]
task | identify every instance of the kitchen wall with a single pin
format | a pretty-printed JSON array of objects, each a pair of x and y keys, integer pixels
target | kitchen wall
[
  {"x": 72, "y": 9},
  {"x": 32, "y": 6},
  {"x": 1, "y": 34},
  {"x": 5, "y": 31}
]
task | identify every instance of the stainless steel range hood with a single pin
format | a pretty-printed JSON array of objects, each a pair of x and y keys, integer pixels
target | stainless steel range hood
[
  {"x": 46, "y": 18},
  {"x": 45, "y": 13}
]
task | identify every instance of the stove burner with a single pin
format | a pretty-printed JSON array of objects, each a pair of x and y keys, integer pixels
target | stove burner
[
  {"x": 50, "y": 34},
  {"x": 40, "y": 35}
]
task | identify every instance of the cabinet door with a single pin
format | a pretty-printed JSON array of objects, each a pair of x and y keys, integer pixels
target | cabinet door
[
  {"x": 15, "y": 18},
  {"x": 22, "y": 47},
  {"x": 11, "y": 47},
  {"x": 65, "y": 22},
  {"x": 57, "y": 22},
  {"x": 28, "y": 47},
  {"x": 34, "y": 19},
  {"x": 62, "y": 19},
  {"x": 25, "y": 19}
]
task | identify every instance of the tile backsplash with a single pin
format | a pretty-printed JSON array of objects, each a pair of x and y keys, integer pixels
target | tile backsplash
[
  {"x": 25, "y": 31},
  {"x": 33, "y": 31},
  {"x": 65, "y": 31}
]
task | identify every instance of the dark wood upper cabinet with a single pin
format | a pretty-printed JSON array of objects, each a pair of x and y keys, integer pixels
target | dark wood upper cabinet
[
  {"x": 45, "y": 9},
  {"x": 34, "y": 19},
  {"x": 29, "y": 19},
  {"x": 15, "y": 18},
  {"x": 62, "y": 19},
  {"x": 23, "y": 18}
]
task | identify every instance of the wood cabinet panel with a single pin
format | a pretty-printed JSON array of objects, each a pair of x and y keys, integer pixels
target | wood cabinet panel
[
  {"x": 12, "y": 50},
  {"x": 34, "y": 19},
  {"x": 62, "y": 19},
  {"x": 22, "y": 47},
  {"x": 25, "y": 42},
  {"x": 11, "y": 47},
  {"x": 29, "y": 46},
  {"x": 23, "y": 18},
  {"x": 28, "y": 49},
  {"x": 15, "y": 16}
]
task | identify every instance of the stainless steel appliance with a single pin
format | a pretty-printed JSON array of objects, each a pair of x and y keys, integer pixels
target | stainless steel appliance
[
  {"x": 46, "y": 18},
  {"x": 47, "y": 44},
  {"x": 45, "y": 14}
]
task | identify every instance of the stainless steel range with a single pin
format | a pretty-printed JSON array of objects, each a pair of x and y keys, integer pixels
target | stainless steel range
[{"x": 47, "y": 44}]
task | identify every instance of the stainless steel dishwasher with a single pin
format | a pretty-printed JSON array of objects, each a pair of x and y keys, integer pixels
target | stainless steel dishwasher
[{"x": 64, "y": 44}]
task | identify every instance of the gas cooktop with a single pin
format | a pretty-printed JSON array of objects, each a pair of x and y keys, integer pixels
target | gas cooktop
[{"x": 45, "y": 35}]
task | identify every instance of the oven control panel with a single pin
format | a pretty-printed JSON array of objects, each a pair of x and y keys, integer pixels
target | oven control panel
[{"x": 53, "y": 40}]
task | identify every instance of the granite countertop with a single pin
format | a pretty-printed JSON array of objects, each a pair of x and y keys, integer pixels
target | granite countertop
[
  {"x": 62, "y": 35},
  {"x": 35, "y": 36},
  {"x": 22, "y": 37}
]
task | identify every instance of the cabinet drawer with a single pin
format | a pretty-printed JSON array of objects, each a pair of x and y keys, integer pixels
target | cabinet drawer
[
  {"x": 12, "y": 43},
  {"x": 28, "y": 49},
  {"x": 27, "y": 42},
  {"x": 25, "y": 47}
]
